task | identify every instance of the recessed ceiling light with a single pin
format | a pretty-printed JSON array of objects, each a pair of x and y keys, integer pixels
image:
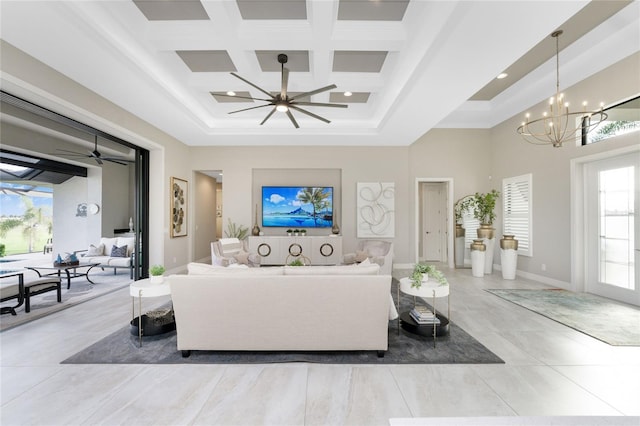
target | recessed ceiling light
[
  {"x": 231, "y": 93},
  {"x": 348, "y": 93},
  {"x": 502, "y": 75}
]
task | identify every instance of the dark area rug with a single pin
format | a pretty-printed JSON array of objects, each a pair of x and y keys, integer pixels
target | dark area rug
[
  {"x": 458, "y": 347},
  {"x": 612, "y": 322}
]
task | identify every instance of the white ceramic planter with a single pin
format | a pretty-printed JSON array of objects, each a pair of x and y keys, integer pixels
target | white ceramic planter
[
  {"x": 477, "y": 263},
  {"x": 509, "y": 262},
  {"x": 156, "y": 279},
  {"x": 488, "y": 257}
]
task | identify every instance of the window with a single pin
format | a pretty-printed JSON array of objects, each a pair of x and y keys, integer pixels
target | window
[
  {"x": 517, "y": 211},
  {"x": 622, "y": 118}
]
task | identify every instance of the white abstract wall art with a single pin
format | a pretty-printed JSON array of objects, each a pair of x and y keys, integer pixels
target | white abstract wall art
[{"x": 375, "y": 206}]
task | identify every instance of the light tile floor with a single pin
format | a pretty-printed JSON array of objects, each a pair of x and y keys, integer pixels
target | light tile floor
[{"x": 550, "y": 370}]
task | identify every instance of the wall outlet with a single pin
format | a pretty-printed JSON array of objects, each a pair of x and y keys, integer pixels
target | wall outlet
[{"x": 543, "y": 267}]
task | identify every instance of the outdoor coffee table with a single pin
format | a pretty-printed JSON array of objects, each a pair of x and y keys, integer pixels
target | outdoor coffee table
[{"x": 71, "y": 271}]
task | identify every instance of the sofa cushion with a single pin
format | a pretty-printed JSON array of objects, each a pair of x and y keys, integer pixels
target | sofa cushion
[
  {"x": 195, "y": 268},
  {"x": 122, "y": 262},
  {"x": 95, "y": 251},
  {"x": 108, "y": 243},
  {"x": 126, "y": 241},
  {"x": 230, "y": 246},
  {"x": 361, "y": 255},
  {"x": 119, "y": 251},
  {"x": 104, "y": 260},
  {"x": 242, "y": 257},
  {"x": 371, "y": 269}
]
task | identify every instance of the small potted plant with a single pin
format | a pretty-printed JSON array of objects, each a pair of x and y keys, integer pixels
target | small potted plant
[
  {"x": 422, "y": 269},
  {"x": 155, "y": 273},
  {"x": 303, "y": 232},
  {"x": 296, "y": 232},
  {"x": 296, "y": 262},
  {"x": 289, "y": 232}
]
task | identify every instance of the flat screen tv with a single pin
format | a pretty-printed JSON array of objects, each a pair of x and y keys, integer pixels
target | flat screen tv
[{"x": 297, "y": 207}]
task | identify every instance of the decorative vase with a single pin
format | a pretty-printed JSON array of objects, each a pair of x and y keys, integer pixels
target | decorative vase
[
  {"x": 478, "y": 251},
  {"x": 255, "y": 231},
  {"x": 335, "y": 229},
  {"x": 156, "y": 279},
  {"x": 487, "y": 233},
  {"x": 509, "y": 256},
  {"x": 459, "y": 246}
]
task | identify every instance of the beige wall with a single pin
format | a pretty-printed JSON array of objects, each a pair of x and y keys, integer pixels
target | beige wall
[
  {"x": 550, "y": 167},
  {"x": 475, "y": 159}
]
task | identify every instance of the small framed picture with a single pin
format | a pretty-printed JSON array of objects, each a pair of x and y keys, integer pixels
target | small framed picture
[{"x": 178, "y": 203}]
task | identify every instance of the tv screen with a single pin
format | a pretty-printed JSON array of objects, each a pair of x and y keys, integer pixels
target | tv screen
[{"x": 297, "y": 207}]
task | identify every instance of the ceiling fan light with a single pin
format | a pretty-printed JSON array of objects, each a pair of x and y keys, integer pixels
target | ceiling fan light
[{"x": 282, "y": 108}]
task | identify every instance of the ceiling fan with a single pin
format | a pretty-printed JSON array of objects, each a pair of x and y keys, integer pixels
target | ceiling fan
[
  {"x": 282, "y": 102},
  {"x": 95, "y": 154}
]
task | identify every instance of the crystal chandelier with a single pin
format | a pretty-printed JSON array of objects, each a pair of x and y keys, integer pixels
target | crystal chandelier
[{"x": 559, "y": 125}]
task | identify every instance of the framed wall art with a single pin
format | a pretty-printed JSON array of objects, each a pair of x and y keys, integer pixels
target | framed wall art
[
  {"x": 178, "y": 205},
  {"x": 375, "y": 205}
]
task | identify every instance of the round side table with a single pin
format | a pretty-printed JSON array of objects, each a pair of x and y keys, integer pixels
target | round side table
[
  {"x": 429, "y": 289},
  {"x": 143, "y": 288}
]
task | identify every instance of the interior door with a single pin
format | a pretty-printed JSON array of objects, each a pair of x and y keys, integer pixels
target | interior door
[
  {"x": 612, "y": 203},
  {"x": 434, "y": 224}
]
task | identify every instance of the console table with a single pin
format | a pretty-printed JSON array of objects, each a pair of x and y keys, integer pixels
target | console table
[{"x": 274, "y": 250}]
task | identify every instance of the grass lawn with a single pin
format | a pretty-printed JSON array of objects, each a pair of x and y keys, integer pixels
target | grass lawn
[{"x": 17, "y": 242}]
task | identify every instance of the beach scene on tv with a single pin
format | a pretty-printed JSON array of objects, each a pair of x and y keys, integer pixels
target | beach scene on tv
[{"x": 297, "y": 207}]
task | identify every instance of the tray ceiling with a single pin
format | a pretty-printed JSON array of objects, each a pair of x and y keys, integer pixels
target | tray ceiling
[{"x": 411, "y": 65}]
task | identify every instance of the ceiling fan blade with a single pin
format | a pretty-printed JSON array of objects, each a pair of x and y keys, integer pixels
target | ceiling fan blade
[
  {"x": 67, "y": 152},
  {"x": 293, "y": 120},
  {"x": 268, "y": 116},
  {"x": 98, "y": 160},
  {"x": 285, "y": 82},
  {"x": 247, "y": 109},
  {"x": 251, "y": 84},
  {"x": 322, "y": 104},
  {"x": 310, "y": 114},
  {"x": 314, "y": 92},
  {"x": 242, "y": 97}
]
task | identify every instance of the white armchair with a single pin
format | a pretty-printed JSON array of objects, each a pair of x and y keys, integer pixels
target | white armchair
[
  {"x": 229, "y": 251},
  {"x": 377, "y": 251}
]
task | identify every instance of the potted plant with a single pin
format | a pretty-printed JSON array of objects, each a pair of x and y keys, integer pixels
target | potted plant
[
  {"x": 296, "y": 262},
  {"x": 303, "y": 232},
  {"x": 484, "y": 206},
  {"x": 296, "y": 232},
  {"x": 484, "y": 211},
  {"x": 155, "y": 273},
  {"x": 289, "y": 232},
  {"x": 421, "y": 269},
  {"x": 236, "y": 231}
]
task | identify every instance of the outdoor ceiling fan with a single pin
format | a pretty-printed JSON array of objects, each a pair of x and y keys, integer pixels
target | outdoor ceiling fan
[
  {"x": 95, "y": 154},
  {"x": 282, "y": 102}
]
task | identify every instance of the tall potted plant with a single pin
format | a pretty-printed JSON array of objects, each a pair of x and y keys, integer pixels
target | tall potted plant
[
  {"x": 463, "y": 206},
  {"x": 484, "y": 211}
]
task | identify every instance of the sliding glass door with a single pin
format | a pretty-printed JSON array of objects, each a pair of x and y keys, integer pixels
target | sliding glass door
[{"x": 613, "y": 232}]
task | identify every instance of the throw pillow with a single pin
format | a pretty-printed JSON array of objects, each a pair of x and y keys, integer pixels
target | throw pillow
[
  {"x": 365, "y": 262},
  {"x": 119, "y": 251},
  {"x": 95, "y": 251},
  {"x": 361, "y": 255},
  {"x": 242, "y": 257}
]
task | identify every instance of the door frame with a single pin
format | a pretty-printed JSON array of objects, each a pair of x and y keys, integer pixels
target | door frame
[
  {"x": 450, "y": 221},
  {"x": 579, "y": 251}
]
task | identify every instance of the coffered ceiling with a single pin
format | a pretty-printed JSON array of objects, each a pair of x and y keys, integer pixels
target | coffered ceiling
[{"x": 411, "y": 65}]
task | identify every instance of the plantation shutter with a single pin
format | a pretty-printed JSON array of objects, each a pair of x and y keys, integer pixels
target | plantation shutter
[{"x": 517, "y": 211}]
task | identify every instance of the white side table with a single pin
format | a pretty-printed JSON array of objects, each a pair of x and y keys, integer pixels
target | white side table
[
  {"x": 431, "y": 289},
  {"x": 144, "y": 288}
]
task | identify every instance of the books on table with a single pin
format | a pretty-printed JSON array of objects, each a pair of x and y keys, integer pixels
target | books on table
[{"x": 422, "y": 315}]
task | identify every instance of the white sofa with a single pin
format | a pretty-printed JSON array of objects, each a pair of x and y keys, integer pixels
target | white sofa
[
  {"x": 281, "y": 308},
  {"x": 101, "y": 254}
]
